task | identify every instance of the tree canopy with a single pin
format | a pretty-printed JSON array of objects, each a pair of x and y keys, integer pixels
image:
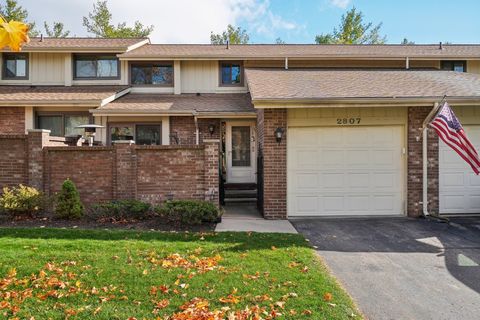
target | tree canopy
[
  {"x": 11, "y": 10},
  {"x": 353, "y": 30},
  {"x": 57, "y": 30},
  {"x": 234, "y": 35},
  {"x": 405, "y": 41},
  {"x": 99, "y": 23}
]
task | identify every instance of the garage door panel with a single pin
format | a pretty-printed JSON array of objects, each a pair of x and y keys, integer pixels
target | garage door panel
[
  {"x": 384, "y": 157},
  {"x": 359, "y": 171},
  {"x": 332, "y": 158},
  {"x": 360, "y": 138},
  {"x": 358, "y": 158},
  {"x": 306, "y": 181},
  {"x": 385, "y": 180},
  {"x": 333, "y": 203},
  {"x": 459, "y": 186},
  {"x": 306, "y": 158},
  {"x": 332, "y": 180},
  {"x": 358, "y": 180}
]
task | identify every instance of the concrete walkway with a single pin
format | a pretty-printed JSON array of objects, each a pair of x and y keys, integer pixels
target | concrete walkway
[{"x": 245, "y": 217}]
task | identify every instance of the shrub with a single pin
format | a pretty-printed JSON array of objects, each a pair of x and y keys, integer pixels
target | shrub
[
  {"x": 21, "y": 200},
  {"x": 121, "y": 209},
  {"x": 191, "y": 212},
  {"x": 68, "y": 204}
]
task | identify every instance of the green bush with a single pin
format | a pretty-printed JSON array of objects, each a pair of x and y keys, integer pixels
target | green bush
[
  {"x": 68, "y": 204},
  {"x": 190, "y": 212},
  {"x": 21, "y": 200},
  {"x": 121, "y": 209}
]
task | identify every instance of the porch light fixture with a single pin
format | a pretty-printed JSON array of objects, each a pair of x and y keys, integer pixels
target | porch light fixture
[
  {"x": 211, "y": 128},
  {"x": 279, "y": 134}
]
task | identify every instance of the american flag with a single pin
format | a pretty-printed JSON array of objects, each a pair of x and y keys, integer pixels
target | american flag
[{"x": 451, "y": 132}]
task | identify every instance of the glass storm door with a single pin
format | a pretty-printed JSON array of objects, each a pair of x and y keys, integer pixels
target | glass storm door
[{"x": 241, "y": 152}]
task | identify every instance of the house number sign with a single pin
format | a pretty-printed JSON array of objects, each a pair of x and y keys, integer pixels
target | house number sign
[{"x": 348, "y": 121}]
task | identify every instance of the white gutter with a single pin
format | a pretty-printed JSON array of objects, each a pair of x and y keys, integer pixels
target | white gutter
[
  {"x": 197, "y": 131},
  {"x": 425, "y": 171}
]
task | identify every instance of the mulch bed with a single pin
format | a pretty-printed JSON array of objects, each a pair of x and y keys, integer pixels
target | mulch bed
[{"x": 152, "y": 224}]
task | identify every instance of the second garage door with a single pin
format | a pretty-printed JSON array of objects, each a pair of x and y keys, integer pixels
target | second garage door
[
  {"x": 459, "y": 186},
  {"x": 345, "y": 171}
]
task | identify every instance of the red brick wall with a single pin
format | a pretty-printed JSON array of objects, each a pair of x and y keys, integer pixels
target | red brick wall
[
  {"x": 12, "y": 120},
  {"x": 164, "y": 171},
  {"x": 416, "y": 115},
  {"x": 274, "y": 162},
  {"x": 13, "y": 160},
  {"x": 184, "y": 129},
  {"x": 91, "y": 169}
]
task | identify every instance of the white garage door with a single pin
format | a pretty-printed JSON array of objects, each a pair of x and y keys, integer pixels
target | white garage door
[
  {"x": 345, "y": 171},
  {"x": 459, "y": 186}
]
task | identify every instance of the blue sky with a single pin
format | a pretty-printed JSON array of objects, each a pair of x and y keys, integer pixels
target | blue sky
[
  {"x": 422, "y": 21},
  {"x": 295, "y": 21}
]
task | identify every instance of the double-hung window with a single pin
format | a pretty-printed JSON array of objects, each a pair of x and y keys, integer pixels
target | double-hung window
[
  {"x": 15, "y": 66},
  {"x": 96, "y": 67},
  {"x": 231, "y": 74}
]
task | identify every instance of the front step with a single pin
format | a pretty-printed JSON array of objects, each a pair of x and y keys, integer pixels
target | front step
[
  {"x": 240, "y": 192},
  {"x": 240, "y": 186}
]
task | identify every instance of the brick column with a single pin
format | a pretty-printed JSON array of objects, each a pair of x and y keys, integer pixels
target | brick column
[
  {"x": 37, "y": 139},
  {"x": 274, "y": 162},
  {"x": 212, "y": 179},
  {"x": 416, "y": 115},
  {"x": 125, "y": 177}
]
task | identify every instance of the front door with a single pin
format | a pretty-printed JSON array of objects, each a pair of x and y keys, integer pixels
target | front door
[{"x": 241, "y": 152}]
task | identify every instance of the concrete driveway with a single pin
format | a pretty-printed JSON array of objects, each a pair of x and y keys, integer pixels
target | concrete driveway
[{"x": 401, "y": 268}]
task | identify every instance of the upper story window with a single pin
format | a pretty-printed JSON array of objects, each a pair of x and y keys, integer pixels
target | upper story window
[
  {"x": 157, "y": 74},
  {"x": 15, "y": 66},
  {"x": 459, "y": 66},
  {"x": 101, "y": 67},
  {"x": 231, "y": 74}
]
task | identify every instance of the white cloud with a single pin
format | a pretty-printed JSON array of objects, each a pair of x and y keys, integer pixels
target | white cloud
[
  {"x": 342, "y": 4},
  {"x": 175, "y": 21}
]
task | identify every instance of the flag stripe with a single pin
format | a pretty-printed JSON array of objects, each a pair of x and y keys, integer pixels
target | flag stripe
[
  {"x": 457, "y": 139},
  {"x": 458, "y": 150},
  {"x": 454, "y": 146},
  {"x": 450, "y": 130}
]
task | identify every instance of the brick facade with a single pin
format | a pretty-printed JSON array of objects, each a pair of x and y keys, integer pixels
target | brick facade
[
  {"x": 274, "y": 162},
  {"x": 12, "y": 120},
  {"x": 91, "y": 169},
  {"x": 184, "y": 129},
  {"x": 416, "y": 115},
  {"x": 122, "y": 171},
  {"x": 13, "y": 160},
  {"x": 170, "y": 172}
]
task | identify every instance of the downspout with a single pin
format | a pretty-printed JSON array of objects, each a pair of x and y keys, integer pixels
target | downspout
[
  {"x": 197, "y": 131},
  {"x": 425, "y": 170}
]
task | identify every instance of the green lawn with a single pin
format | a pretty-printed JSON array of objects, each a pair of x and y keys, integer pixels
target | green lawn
[{"x": 101, "y": 274}]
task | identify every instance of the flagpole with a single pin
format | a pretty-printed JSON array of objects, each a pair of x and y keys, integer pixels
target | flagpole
[{"x": 437, "y": 106}]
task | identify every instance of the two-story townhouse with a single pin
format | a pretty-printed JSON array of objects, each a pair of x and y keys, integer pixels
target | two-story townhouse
[{"x": 321, "y": 129}]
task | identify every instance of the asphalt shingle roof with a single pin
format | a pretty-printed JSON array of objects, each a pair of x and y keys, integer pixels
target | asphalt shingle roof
[
  {"x": 53, "y": 94},
  {"x": 252, "y": 51},
  {"x": 308, "y": 84},
  {"x": 182, "y": 104},
  {"x": 81, "y": 44}
]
